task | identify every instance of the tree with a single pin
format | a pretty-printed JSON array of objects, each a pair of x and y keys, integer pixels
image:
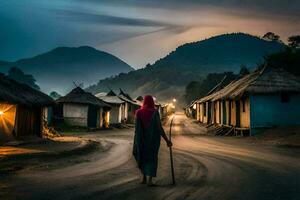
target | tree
[
  {"x": 19, "y": 76},
  {"x": 289, "y": 60},
  {"x": 192, "y": 91},
  {"x": 270, "y": 36},
  {"x": 244, "y": 70},
  {"x": 294, "y": 41},
  {"x": 54, "y": 95},
  {"x": 196, "y": 89}
]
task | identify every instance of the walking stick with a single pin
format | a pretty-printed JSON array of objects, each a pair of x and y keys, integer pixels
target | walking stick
[{"x": 171, "y": 154}]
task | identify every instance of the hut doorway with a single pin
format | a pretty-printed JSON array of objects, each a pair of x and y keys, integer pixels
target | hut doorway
[
  {"x": 92, "y": 116},
  {"x": 28, "y": 121}
]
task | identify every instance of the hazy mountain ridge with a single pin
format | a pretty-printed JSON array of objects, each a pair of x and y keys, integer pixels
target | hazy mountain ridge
[
  {"x": 60, "y": 67},
  {"x": 192, "y": 61}
]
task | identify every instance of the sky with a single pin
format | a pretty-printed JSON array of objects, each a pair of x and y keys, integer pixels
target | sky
[{"x": 137, "y": 31}]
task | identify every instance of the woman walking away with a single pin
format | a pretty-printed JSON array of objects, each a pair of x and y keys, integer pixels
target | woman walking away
[{"x": 148, "y": 130}]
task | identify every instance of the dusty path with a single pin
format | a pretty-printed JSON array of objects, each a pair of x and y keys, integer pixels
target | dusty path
[{"x": 206, "y": 168}]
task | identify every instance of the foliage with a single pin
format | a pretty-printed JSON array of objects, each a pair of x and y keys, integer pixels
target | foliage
[
  {"x": 288, "y": 60},
  {"x": 19, "y": 76},
  {"x": 54, "y": 95},
  {"x": 294, "y": 41},
  {"x": 270, "y": 36},
  {"x": 244, "y": 70},
  {"x": 195, "y": 90}
]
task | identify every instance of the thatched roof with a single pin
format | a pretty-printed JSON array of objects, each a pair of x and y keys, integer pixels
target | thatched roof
[
  {"x": 110, "y": 98},
  {"x": 266, "y": 81},
  {"x": 111, "y": 93},
  {"x": 125, "y": 97},
  {"x": 212, "y": 93},
  {"x": 17, "y": 93},
  {"x": 80, "y": 96}
]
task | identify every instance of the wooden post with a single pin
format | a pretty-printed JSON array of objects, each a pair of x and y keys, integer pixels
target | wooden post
[{"x": 171, "y": 154}]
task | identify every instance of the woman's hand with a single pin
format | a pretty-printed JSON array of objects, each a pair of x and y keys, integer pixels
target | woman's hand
[{"x": 169, "y": 143}]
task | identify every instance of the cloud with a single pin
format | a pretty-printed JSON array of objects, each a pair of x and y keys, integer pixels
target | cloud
[
  {"x": 120, "y": 26},
  {"x": 111, "y": 20},
  {"x": 134, "y": 27},
  {"x": 289, "y": 8}
]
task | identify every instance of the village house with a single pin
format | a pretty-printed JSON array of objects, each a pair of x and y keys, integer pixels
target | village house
[
  {"x": 82, "y": 109},
  {"x": 117, "y": 113},
  {"x": 162, "y": 108},
  {"x": 202, "y": 108},
  {"x": 23, "y": 110},
  {"x": 265, "y": 98},
  {"x": 190, "y": 110},
  {"x": 130, "y": 106}
]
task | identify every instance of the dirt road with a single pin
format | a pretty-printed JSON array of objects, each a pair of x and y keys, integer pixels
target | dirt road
[{"x": 206, "y": 167}]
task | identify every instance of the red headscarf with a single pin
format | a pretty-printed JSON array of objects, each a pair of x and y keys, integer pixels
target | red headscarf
[{"x": 146, "y": 112}]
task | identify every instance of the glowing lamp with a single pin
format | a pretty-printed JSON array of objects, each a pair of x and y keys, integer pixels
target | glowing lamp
[
  {"x": 194, "y": 106},
  {"x": 1, "y": 113},
  {"x": 174, "y": 100}
]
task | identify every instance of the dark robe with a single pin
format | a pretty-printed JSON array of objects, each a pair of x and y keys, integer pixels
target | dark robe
[{"x": 146, "y": 144}]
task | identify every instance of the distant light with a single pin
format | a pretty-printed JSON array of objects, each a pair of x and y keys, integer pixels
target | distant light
[
  {"x": 1, "y": 113},
  {"x": 174, "y": 100}
]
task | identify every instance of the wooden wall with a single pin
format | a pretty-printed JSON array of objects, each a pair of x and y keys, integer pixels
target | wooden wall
[
  {"x": 201, "y": 112},
  {"x": 233, "y": 113},
  {"x": 205, "y": 112},
  {"x": 197, "y": 111},
  {"x": 217, "y": 112},
  {"x": 245, "y": 112}
]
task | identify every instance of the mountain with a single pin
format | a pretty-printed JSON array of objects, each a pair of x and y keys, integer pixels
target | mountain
[
  {"x": 167, "y": 77},
  {"x": 56, "y": 70}
]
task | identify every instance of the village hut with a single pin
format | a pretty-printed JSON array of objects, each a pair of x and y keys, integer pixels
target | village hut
[
  {"x": 208, "y": 111},
  {"x": 265, "y": 98},
  {"x": 204, "y": 110},
  {"x": 23, "y": 110},
  {"x": 82, "y": 109},
  {"x": 130, "y": 106},
  {"x": 191, "y": 110},
  {"x": 161, "y": 108},
  {"x": 117, "y": 113}
]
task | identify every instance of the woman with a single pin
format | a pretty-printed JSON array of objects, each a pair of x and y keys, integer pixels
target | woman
[{"x": 148, "y": 130}]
